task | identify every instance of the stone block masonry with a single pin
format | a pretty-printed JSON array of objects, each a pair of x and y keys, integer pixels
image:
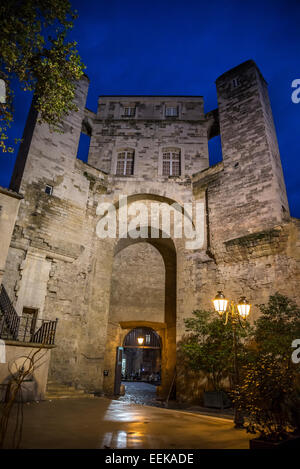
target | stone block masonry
[{"x": 149, "y": 148}]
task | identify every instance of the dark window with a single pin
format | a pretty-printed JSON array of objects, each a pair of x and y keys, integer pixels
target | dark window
[
  {"x": 236, "y": 82},
  {"x": 171, "y": 111},
  {"x": 129, "y": 111},
  {"x": 48, "y": 189},
  {"x": 171, "y": 163},
  {"x": 125, "y": 163}
]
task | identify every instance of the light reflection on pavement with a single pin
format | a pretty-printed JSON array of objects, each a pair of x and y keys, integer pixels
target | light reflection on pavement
[{"x": 105, "y": 423}]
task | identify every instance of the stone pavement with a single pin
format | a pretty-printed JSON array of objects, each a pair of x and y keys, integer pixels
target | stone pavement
[
  {"x": 105, "y": 423},
  {"x": 138, "y": 392}
]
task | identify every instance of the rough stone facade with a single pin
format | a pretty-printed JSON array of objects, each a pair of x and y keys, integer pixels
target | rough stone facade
[
  {"x": 101, "y": 288},
  {"x": 17, "y": 355},
  {"x": 9, "y": 206}
]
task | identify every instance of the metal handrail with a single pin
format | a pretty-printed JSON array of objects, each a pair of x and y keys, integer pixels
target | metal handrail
[
  {"x": 10, "y": 318},
  {"x": 46, "y": 333},
  {"x": 24, "y": 328}
]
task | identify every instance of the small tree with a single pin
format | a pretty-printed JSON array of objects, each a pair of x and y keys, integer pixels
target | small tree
[
  {"x": 269, "y": 390},
  {"x": 266, "y": 396},
  {"x": 277, "y": 327},
  {"x": 209, "y": 346}
]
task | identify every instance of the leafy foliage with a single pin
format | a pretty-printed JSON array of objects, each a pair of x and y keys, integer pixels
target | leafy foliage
[
  {"x": 267, "y": 395},
  {"x": 277, "y": 327},
  {"x": 34, "y": 52},
  {"x": 209, "y": 345},
  {"x": 269, "y": 391}
]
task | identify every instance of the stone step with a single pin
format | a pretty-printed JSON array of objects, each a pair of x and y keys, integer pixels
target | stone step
[
  {"x": 65, "y": 391},
  {"x": 60, "y": 387},
  {"x": 54, "y": 395},
  {"x": 62, "y": 391}
]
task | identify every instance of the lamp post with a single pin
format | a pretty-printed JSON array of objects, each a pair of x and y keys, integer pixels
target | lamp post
[{"x": 238, "y": 315}]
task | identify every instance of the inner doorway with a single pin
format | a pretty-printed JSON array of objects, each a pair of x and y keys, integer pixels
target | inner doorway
[{"x": 141, "y": 366}]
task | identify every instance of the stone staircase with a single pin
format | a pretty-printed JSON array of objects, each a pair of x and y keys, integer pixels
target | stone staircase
[{"x": 62, "y": 391}]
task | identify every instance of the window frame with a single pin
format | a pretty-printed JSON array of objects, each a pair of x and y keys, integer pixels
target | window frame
[
  {"x": 172, "y": 161},
  {"x": 235, "y": 82},
  {"x": 48, "y": 186},
  {"x": 131, "y": 109},
  {"x": 167, "y": 114},
  {"x": 126, "y": 151}
]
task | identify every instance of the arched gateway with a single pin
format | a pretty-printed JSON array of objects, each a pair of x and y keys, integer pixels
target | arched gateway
[
  {"x": 143, "y": 297},
  {"x": 139, "y": 359}
]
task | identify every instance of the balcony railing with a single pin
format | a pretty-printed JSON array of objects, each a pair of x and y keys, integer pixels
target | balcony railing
[{"x": 24, "y": 328}]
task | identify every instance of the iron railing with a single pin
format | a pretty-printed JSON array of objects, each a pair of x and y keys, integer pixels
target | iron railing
[
  {"x": 24, "y": 328},
  {"x": 10, "y": 320},
  {"x": 46, "y": 333}
]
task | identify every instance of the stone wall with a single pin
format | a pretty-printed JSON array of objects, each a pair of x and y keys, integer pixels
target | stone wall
[
  {"x": 9, "y": 206},
  {"x": 149, "y": 133},
  {"x": 100, "y": 288},
  {"x": 138, "y": 285},
  {"x": 17, "y": 355}
]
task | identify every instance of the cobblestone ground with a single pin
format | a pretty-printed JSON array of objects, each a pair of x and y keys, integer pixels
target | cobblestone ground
[{"x": 140, "y": 393}]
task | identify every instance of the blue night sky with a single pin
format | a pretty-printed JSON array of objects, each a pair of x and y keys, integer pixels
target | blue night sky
[{"x": 180, "y": 47}]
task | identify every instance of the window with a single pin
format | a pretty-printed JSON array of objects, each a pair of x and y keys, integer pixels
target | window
[
  {"x": 171, "y": 111},
  {"x": 125, "y": 163},
  {"x": 171, "y": 163},
  {"x": 129, "y": 111},
  {"x": 49, "y": 189},
  {"x": 236, "y": 82},
  {"x": 148, "y": 339}
]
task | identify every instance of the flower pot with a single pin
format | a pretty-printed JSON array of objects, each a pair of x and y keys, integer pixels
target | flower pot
[
  {"x": 291, "y": 442},
  {"x": 216, "y": 399}
]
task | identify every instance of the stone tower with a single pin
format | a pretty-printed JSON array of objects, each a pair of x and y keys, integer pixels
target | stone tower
[{"x": 253, "y": 188}]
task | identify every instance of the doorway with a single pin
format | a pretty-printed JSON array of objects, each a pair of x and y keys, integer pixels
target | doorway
[{"x": 140, "y": 366}]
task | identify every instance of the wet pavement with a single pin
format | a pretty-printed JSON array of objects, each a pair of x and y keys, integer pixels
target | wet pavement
[
  {"x": 105, "y": 423},
  {"x": 138, "y": 392}
]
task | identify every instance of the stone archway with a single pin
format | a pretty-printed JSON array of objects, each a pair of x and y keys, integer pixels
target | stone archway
[{"x": 145, "y": 298}]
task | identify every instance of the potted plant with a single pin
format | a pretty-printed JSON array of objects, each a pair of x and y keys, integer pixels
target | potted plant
[{"x": 208, "y": 349}]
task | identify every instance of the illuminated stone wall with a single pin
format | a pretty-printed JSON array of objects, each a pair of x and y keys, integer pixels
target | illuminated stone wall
[{"x": 100, "y": 288}]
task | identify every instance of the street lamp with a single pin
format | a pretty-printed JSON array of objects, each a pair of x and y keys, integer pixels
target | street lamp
[
  {"x": 238, "y": 315},
  {"x": 140, "y": 340}
]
